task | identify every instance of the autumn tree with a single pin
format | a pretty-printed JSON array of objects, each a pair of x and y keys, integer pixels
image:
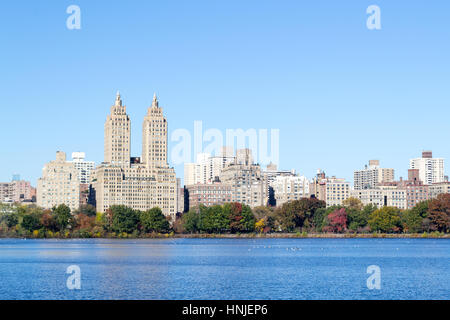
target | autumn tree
[
  {"x": 48, "y": 221},
  {"x": 336, "y": 221},
  {"x": 241, "y": 217},
  {"x": 439, "y": 213},
  {"x": 299, "y": 213},
  {"x": 353, "y": 203}
]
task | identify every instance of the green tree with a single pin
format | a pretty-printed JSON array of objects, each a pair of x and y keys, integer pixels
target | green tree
[
  {"x": 153, "y": 220},
  {"x": 413, "y": 219},
  {"x": 386, "y": 219},
  {"x": 213, "y": 219},
  {"x": 358, "y": 219},
  {"x": 31, "y": 222},
  {"x": 190, "y": 220},
  {"x": 123, "y": 219},
  {"x": 62, "y": 216},
  {"x": 11, "y": 219}
]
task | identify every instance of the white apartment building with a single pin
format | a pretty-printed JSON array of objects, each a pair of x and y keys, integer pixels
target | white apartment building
[
  {"x": 59, "y": 184},
  {"x": 390, "y": 196},
  {"x": 372, "y": 175},
  {"x": 436, "y": 189},
  {"x": 289, "y": 188},
  {"x": 336, "y": 191},
  {"x": 207, "y": 168},
  {"x": 190, "y": 174},
  {"x": 83, "y": 167},
  {"x": 431, "y": 170}
]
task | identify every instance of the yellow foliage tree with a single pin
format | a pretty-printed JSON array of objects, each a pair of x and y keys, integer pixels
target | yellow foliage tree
[{"x": 260, "y": 225}]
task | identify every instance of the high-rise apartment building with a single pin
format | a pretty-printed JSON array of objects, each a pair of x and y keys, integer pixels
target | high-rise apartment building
[
  {"x": 372, "y": 175},
  {"x": 336, "y": 191},
  {"x": 207, "y": 168},
  {"x": 117, "y": 135},
  {"x": 154, "y": 137},
  {"x": 249, "y": 185},
  {"x": 331, "y": 190},
  {"x": 59, "y": 184},
  {"x": 6, "y": 192},
  {"x": 16, "y": 191},
  {"x": 140, "y": 183},
  {"x": 244, "y": 156},
  {"x": 83, "y": 167},
  {"x": 290, "y": 188},
  {"x": 180, "y": 197},
  {"x": 431, "y": 170},
  {"x": 190, "y": 177}
]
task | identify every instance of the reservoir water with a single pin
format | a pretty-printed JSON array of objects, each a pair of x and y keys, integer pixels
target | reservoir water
[{"x": 225, "y": 268}]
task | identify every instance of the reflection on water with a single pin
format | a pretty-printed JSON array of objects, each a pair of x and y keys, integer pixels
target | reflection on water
[{"x": 225, "y": 268}]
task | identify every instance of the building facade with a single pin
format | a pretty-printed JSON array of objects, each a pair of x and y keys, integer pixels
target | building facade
[
  {"x": 289, "y": 188},
  {"x": 17, "y": 191},
  {"x": 436, "y": 189},
  {"x": 372, "y": 175},
  {"x": 249, "y": 185},
  {"x": 431, "y": 170},
  {"x": 382, "y": 196},
  {"x": 331, "y": 190},
  {"x": 207, "y": 168},
  {"x": 83, "y": 167},
  {"x": 209, "y": 194},
  {"x": 117, "y": 135},
  {"x": 143, "y": 182},
  {"x": 59, "y": 184}
]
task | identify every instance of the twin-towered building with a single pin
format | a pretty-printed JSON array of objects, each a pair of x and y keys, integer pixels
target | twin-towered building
[{"x": 140, "y": 182}]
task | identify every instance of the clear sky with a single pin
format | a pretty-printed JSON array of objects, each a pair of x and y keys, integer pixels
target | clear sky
[{"x": 339, "y": 93}]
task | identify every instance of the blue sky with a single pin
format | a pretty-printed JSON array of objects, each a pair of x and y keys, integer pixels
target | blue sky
[{"x": 339, "y": 93}]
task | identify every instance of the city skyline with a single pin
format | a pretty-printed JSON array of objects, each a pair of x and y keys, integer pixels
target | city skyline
[{"x": 317, "y": 74}]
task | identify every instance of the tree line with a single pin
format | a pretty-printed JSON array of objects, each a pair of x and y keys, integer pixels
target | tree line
[
  {"x": 60, "y": 222},
  {"x": 307, "y": 215}
]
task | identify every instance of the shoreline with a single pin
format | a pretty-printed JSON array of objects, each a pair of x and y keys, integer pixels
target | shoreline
[{"x": 261, "y": 236}]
